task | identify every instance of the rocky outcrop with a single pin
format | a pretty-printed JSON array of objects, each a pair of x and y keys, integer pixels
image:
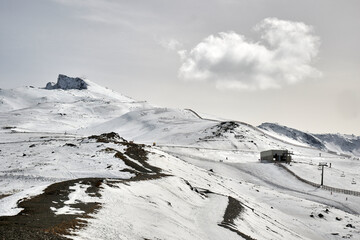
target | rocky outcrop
[{"x": 64, "y": 82}]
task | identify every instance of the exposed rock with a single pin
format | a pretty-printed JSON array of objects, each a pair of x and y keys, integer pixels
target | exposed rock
[
  {"x": 108, "y": 137},
  {"x": 350, "y": 225},
  {"x": 65, "y": 83},
  {"x": 69, "y": 145}
]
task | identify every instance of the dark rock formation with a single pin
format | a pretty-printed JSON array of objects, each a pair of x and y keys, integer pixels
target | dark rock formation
[{"x": 66, "y": 83}]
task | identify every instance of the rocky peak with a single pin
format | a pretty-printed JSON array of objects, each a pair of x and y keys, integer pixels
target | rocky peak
[{"x": 64, "y": 82}]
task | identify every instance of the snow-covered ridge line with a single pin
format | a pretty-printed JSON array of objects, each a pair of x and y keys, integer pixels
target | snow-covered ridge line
[
  {"x": 259, "y": 129},
  {"x": 95, "y": 109},
  {"x": 345, "y": 145}
]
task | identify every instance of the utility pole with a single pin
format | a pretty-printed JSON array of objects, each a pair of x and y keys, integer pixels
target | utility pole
[{"x": 322, "y": 164}]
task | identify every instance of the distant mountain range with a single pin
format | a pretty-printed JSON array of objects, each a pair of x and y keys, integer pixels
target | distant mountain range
[
  {"x": 79, "y": 106},
  {"x": 340, "y": 143}
]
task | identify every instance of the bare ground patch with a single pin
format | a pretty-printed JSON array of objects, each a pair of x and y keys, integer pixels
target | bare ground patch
[
  {"x": 233, "y": 210},
  {"x": 38, "y": 221}
]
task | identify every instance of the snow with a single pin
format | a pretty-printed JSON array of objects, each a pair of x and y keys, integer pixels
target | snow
[
  {"x": 78, "y": 195},
  {"x": 9, "y": 205},
  {"x": 60, "y": 111},
  {"x": 43, "y": 141},
  {"x": 245, "y": 166},
  {"x": 261, "y": 197},
  {"x": 141, "y": 209},
  {"x": 349, "y": 145},
  {"x": 43, "y": 160},
  {"x": 160, "y": 125},
  {"x": 269, "y": 194},
  {"x": 341, "y": 143},
  {"x": 66, "y": 210}
]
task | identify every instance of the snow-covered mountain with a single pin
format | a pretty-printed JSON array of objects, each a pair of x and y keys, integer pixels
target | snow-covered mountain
[
  {"x": 81, "y": 161},
  {"x": 339, "y": 143},
  {"x": 63, "y": 108}
]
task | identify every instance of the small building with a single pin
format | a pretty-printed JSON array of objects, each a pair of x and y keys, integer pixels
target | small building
[{"x": 275, "y": 155}]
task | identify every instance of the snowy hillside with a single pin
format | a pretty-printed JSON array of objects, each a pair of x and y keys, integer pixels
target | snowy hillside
[
  {"x": 348, "y": 144},
  {"x": 61, "y": 110},
  {"x": 338, "y": 143},
  {"x": 293, "y": 134},
  {"x": 79, "y": 161}
]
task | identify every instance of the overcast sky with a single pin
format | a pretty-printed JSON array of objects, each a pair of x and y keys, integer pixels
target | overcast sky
[{"x": 293, "y": 62}]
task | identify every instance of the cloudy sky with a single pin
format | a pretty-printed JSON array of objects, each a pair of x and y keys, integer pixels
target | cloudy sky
[{"x": 296, "y": 63}]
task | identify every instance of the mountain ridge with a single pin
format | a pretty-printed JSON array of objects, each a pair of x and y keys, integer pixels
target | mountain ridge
[
  {"x": 96, "y": 107},
  {"x": 147, "y": 172},
  {"x": 344, "y": 144}
]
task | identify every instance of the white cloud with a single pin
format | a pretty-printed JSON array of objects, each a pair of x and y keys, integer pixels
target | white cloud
[{"x": 282, "y": 56}]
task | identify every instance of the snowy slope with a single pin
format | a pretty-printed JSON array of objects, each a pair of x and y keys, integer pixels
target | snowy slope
[
  {"x": 342, "y": 143},
  {"x": 159, "y": 125},
  {"x": 293, "y": 134},
  {"x": 58, "y": 110},
  {"x": 339, "y": 143},
  {"x": 192, "y": 202},
  {"x": 195, "y": 178}
]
